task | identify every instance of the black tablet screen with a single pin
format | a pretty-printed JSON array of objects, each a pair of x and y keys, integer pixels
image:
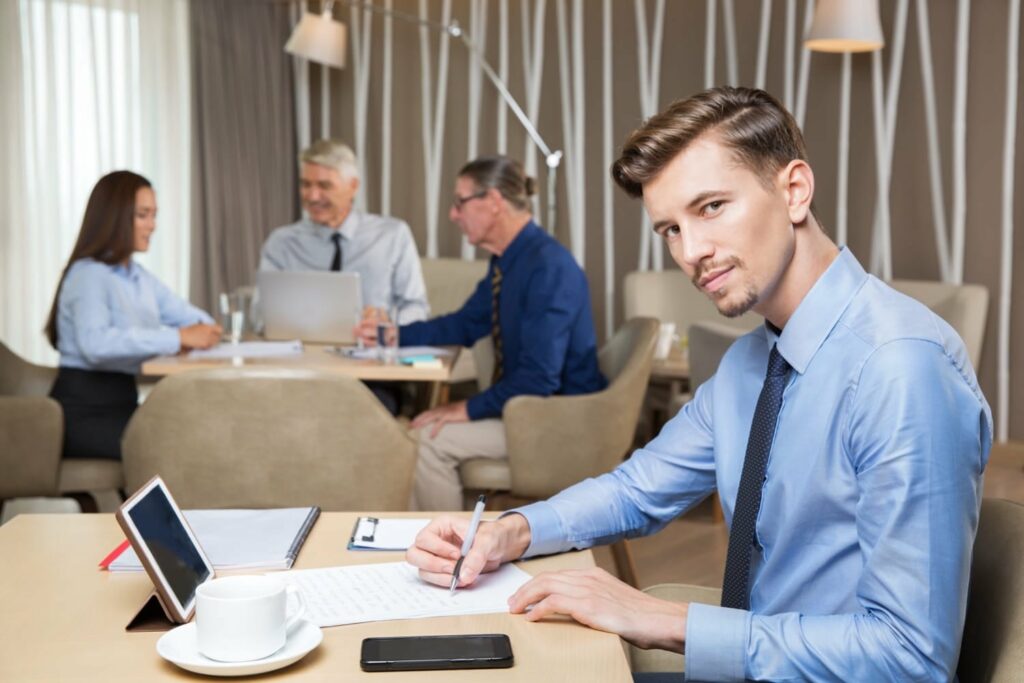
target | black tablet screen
[{"x": 169, "y": 543}]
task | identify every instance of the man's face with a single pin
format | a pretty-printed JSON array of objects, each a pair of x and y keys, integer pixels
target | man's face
[
  {"x": 326, "y": 195},
  {"x": 730, "y": 234},
  {"x": 473, "y": 210},
  {"x": 145, "y": 218}
]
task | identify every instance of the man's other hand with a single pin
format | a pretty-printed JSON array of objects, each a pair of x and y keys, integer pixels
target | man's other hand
[
  {"x": 440, "y": 416},
  {"x": 597, "y": 599}
]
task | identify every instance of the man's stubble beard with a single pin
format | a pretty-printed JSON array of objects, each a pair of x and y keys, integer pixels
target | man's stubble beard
[{"x": 749, "y": 300}]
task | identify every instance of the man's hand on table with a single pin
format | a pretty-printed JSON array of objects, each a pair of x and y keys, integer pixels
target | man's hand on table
[
  {"x": 199, "y": 336},
  {"x": 597, "y": 599}
]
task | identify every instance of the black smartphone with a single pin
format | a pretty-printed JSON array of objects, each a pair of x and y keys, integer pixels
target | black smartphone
[{"x": 483, "y": 651}]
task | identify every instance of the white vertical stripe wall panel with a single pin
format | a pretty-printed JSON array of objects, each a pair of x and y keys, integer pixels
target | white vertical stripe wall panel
[
  {"x": 963, "y": 20},
  {"x": 361, "y": 32},
  {"x": 503, "y": 75},
  {"x": 478, "y": 31},
  {"x": 533, "y": 70},
  {"x": 433, "y": 121},
  {"x": 1006, "y": 254},
  {"x": 938, "y": 195},
  {"x": 385, "y": 117},
  {"x": 649, "y": 67},
  {"x": 607, "y": 187}
]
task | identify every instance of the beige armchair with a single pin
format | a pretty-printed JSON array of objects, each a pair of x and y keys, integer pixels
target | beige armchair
[
  {"x": 992, "y": 648},
  {"x": 450, "y": 281},
  {"x": 270, "y": 437},
  {"x": 556, "y": 441},
  {"x": 31, "y": 440},
  {"x": 31, "y": 428},
  {"x": 669, "y": 296},
  {"x": 964, "y": 307}
]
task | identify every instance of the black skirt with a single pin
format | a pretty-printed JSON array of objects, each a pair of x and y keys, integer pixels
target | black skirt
[{"x": 97, "y": 406}]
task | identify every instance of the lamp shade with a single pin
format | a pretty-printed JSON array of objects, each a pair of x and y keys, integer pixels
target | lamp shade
[
  {"x": 318, "y": 38},
  {"x": 845, "y": 26}
]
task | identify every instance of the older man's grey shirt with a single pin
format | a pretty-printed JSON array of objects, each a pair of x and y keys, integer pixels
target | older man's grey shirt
[{"x": 380, "y": 249}]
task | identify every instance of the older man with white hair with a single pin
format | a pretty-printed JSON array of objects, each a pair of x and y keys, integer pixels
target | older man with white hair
[{"x": 334, "y": 235}]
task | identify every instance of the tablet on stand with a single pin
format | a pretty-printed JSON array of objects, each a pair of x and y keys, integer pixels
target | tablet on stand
[{"x": 169, "y": 552}]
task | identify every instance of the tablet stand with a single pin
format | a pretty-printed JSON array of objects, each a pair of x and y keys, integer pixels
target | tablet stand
[{"x": 151, "y": 617}]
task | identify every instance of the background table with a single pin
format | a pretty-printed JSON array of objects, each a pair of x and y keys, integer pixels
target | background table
[
  {"x": 63, "y": 619},
  {"x": 313, "y": 357}
]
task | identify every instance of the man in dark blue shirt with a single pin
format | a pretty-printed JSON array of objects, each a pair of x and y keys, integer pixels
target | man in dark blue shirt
[{"x": 543, "y": 331}]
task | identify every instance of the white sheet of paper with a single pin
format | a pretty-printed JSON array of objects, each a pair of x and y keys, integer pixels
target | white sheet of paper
[
  {"x": 403, "y": 352},
  {"x": 394, "y": 590},
  {"x": 250, "y": 349}
]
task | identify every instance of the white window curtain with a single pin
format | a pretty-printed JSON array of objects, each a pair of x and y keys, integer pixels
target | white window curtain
[{"x": 89, "y": 87}]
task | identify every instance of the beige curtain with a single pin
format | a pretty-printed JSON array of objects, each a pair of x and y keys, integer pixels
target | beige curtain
[{"x": 243, "y": 144}]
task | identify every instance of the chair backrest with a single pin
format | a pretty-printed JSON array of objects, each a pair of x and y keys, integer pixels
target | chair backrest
[
  {"x": 251, "y": 437},
  {"x": 31, "y": 428},
  {"x": 450, "y": 281},
  {"x": 556, "y": 441},
  {"x": 18, "y": 377},
  {"x": 669, "y": 296},
  {"x": 992, "y": 649},
  {"x": 708, "y": 343},
  {"x": 964, "y": 307}
]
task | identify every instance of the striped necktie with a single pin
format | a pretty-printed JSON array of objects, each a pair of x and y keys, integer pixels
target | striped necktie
[
  {"x": 735, "y": 585},
  {"x": 499, "y": 355}
]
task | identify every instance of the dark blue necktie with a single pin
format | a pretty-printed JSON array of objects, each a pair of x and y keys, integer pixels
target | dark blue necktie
[
  {"x": 735, "y": 589},
  {"x": 336, "y": 261}
]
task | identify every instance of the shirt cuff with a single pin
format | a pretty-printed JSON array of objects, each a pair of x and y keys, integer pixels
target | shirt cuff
[
  {"x": 716, "y": 643},
  {"x": 478, "y": 407},
  {"x": 168, "y": 341},
  {"x": 546, "y": 534}
]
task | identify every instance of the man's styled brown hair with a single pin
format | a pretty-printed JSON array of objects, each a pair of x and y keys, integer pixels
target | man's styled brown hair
[{"x": 761, "y": 134}]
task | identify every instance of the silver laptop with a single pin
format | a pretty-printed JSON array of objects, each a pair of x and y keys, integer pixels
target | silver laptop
[{"x": 313, "y": 306}]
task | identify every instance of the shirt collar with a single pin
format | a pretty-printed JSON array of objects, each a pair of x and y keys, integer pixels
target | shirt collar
[
  {"x": 347, "y": 229},
  {"x": 518, "y": 245},
  {"x": 129, "y": 270},
  {"x": 819, "y": 311}
]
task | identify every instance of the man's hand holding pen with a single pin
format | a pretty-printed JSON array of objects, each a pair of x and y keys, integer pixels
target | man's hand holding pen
[{"x": 438, "y": 547}]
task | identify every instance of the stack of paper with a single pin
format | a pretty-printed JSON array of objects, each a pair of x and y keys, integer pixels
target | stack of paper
[
  {"x": 241, "y": 539},
  {"x": 249, "y": 349}
]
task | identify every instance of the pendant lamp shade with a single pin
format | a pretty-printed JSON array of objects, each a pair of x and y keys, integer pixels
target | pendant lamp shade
[
  {"x": 845, "y": 26},
  {"x": 318, "y": 38}
]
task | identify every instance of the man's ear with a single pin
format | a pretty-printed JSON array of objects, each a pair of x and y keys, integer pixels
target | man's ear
[
  {"x": 354, "y": 184},
  {"x": 797, "y": 181}
]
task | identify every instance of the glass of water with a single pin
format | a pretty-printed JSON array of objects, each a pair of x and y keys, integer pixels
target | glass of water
[
  {"x": 234, "y": 310},
  {"x": 387, "y": 337}
]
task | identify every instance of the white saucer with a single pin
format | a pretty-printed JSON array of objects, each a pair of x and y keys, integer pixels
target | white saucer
[{"x": 179, "y": 647}]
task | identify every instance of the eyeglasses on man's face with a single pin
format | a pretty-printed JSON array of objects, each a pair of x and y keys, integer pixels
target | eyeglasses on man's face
[{"x": 458, "y": 202}]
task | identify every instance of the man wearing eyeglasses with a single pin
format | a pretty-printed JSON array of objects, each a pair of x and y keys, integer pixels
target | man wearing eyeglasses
[{"x": 534, "y": 303}]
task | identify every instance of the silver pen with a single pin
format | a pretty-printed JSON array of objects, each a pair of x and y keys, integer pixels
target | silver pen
[{"x": 474, "y": 524}]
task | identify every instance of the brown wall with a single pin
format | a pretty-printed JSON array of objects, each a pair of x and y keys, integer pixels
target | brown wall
[{"x": 914, "y": 253}]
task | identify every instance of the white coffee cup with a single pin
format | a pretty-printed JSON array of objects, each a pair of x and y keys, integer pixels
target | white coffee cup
[
  {"x": 242, "y": 618},
  {"x": 666, "y": 335}
]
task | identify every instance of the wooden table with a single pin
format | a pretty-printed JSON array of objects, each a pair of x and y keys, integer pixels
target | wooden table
[
  {"x": 321, "y": 357},
  {"x": 63, "y": 619},
  {"x": 313, "y": 357}
]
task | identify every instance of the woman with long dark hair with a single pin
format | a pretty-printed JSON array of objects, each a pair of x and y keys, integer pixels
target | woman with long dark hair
[{"x": 110, "y": 314}]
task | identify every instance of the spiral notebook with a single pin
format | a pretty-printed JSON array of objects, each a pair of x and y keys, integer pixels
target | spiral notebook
[{"x": 238, "y": 539}]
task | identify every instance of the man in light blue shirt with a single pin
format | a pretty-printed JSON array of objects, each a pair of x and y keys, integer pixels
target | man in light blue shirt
[
  {"x": 333, "y": 235},
  {"x": 856, "y": 463}
]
